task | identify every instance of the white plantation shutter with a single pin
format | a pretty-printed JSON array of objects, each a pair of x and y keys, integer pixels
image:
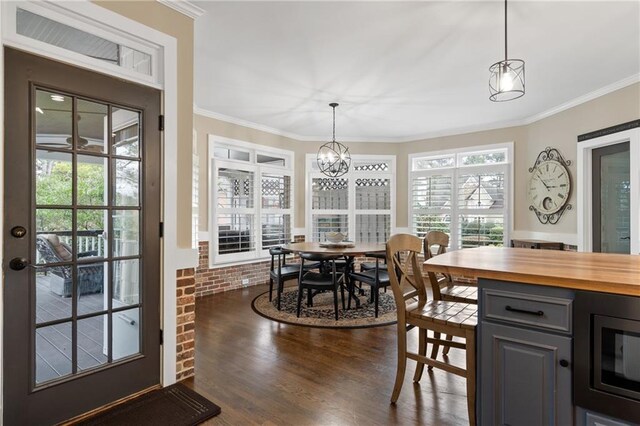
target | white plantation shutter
[
  {"x": 373, "y": 207},
  {"x": 235, "y": 211},
  {"x": 431, "y": 196},
  {"x": 481, "y": 209},
  {"x": 359, "y": 204},
  {"x": 276, "y": 208},
  {"x": 464, "y": 195},
  {"x": 330, "y": 206},
  {"x": 251, "y": 201}
]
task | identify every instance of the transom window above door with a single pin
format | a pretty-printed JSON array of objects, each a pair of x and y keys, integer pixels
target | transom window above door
[{"x": 251, "y": 200}]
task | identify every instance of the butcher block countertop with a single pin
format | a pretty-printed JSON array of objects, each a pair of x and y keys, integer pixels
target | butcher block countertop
[{"x": 608, "y": 273}]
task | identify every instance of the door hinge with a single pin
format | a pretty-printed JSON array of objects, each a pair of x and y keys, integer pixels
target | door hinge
[
  {"x": 161, "y": 123},
  {"x": 161, "y": 229},
  {"x": 161, "y": 337}
]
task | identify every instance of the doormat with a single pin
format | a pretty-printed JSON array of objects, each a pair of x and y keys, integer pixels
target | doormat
[{"x": 175, "y": 405}]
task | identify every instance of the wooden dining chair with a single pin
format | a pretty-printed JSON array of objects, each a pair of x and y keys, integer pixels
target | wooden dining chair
[
  {"x": 325, "y": 280},
  {"x": 443, "y": 286},
  {"x": 439, "y": 316},
  {"x": 447, "y": 288}
]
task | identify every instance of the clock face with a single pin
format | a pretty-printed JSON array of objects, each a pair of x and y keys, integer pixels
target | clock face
[{"x": 549, "y": 186}]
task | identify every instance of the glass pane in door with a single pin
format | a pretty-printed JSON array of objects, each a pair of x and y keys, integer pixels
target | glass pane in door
[
  {"x": 88, "y": 235},
  {"x": 53, "y": 352},
  {"x": 92, "y": 126},
  {"x": 53, "y": 118},
  {"x": 612, "y": 199}
]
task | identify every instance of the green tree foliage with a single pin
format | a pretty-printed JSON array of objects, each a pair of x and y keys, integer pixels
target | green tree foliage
[{"x": 54, "y": 187}]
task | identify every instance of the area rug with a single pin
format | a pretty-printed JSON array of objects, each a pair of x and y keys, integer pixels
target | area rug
[
  {"x": 321, "y": 314},
  {"x": 175, "y": 405}
]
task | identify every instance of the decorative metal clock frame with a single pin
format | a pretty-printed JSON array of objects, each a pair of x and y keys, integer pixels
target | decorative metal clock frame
[{"x": 552, "y": 154}]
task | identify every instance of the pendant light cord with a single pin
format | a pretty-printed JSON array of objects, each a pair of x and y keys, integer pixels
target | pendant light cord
[
  {"x": 334, "y": 123},
  {"x": 505, "y": 31}
]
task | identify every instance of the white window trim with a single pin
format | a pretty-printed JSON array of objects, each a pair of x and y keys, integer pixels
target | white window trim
[
  {"x": 351, "y": 175},
  {"x": 69, "y": 16},
  {"x": 584, "y": 186},
  {"x": 453, "y": 171},
  {"x": 256, "y": 255},
  {"x": 173, "y": 257}
]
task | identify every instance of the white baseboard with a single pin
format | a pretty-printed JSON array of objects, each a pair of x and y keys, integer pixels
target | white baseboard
[{"x": 571, "y": 239}]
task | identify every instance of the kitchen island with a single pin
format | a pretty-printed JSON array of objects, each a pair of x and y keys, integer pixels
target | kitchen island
[{"x": 558, "y": 335}]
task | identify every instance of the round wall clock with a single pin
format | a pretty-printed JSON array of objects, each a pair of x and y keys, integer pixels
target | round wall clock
[{"x": 549, "y": 186}]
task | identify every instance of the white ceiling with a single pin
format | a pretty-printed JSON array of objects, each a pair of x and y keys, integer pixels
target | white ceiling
[{"x": 403, "y": 70}]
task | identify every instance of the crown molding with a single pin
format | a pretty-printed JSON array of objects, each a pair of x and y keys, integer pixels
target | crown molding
[
  {"x": 240, "y": 122},
  {"x": 185, "y": 7},
  {"x": 621, "y": 84},
  {"x": 430, "y": 135}
]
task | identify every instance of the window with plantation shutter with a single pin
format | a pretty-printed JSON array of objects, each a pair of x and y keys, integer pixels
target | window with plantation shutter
[
  {"x": 252, "y": 200},
  {"x": 462, "y": 193},
  {"x": 359, "y": 204}
]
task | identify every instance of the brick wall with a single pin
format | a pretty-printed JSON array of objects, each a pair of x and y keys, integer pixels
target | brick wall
[
  {"x": 225, "y": 278},
  {"x": 186, "y": 315},
  {"x": 216, "y": 280}
]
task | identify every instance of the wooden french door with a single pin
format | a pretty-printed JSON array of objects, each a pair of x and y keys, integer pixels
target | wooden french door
[{"x": 81, "y": 242}]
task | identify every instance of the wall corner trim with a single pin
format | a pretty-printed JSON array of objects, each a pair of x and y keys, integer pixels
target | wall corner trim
[{"x": 185, "y": 7}]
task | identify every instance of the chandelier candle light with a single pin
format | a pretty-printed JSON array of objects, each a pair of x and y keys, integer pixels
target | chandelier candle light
[
  {"x": 507, "y": 77},
  {"x": 334, "y": 159}
]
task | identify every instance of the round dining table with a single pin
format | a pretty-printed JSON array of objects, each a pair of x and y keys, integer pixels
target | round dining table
[
  {"x": 348, "y": 250},
  {"x": 351, "y": 250}
]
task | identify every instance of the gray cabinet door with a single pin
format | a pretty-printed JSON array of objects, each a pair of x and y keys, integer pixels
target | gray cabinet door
[{"x": 523, "y": 380}]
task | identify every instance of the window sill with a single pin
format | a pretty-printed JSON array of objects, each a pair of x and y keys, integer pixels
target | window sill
[{"x": 220, "y": 265}]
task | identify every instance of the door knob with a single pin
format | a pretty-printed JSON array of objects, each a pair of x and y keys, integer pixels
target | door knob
[{"x": 18, "y": 263}]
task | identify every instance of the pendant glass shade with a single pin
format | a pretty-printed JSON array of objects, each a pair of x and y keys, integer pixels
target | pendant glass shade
[
  {"x": 334, "y": 159},
  {"x": 507, "y": 80}
]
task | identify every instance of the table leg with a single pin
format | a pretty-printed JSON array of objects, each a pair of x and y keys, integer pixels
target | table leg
[{"x": 350, "y": 285}]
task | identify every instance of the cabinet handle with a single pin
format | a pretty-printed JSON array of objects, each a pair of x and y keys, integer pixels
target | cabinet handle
[
  {"x": 564, "y": 363},
  {"x": 524, "y": 311}
]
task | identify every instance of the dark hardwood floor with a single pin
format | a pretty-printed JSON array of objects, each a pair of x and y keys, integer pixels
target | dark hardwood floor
[{"x": 263, "y": 372}]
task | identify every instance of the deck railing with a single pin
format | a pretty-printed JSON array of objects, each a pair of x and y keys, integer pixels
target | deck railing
[{"x": 88, "y": 241}]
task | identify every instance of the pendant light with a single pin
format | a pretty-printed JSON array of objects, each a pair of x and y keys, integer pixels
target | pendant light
[
  {"x": 507, "y": 77},
  {"x": 334, "y": 159}
]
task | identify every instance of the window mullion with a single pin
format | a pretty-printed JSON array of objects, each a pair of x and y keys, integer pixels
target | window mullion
[
  {"x": 257, "y": 206},
  {"x": 455, "y": 220}
]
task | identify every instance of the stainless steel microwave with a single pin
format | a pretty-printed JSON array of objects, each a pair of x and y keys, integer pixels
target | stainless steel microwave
[{"x": 606, "y": 353}]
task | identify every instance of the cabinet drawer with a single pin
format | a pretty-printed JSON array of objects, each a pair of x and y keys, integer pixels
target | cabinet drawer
[{"x": 528, "y": 309}]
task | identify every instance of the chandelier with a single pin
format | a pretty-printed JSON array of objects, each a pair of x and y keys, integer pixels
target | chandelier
[
  {"x": 334, "y": 159},
  {"x": 507, "y": 77}
]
